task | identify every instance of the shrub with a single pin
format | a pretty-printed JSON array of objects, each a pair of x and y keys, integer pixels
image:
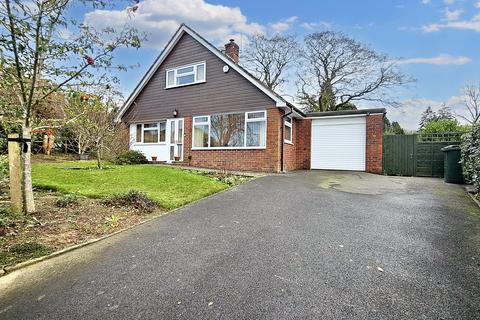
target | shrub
[
  {"x": 131, "y": 157},
  {"x": 471, "y": 156},
  {"x": 67, "y": 200},
  {"x": 3, "y": 173},
  {"x": 444, "y": 125},
  {"x": 133, "y": 198}
]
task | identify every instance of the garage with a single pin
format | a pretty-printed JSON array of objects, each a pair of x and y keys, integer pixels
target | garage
[{"x": 339, "y": 143}]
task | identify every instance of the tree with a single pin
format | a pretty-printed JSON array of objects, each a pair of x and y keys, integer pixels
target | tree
[
  {"x": 392, "y": 127},
  {"x": 337, "y": 70},
  {"x": 32, "y": 53},
  {"x": 92, "y": 121},
  {"x": 268, "y": 58},
  {"x": 444, "y": 126},
  {"x": 444, "y": 113},
  {"x": 472, "y": 104}
]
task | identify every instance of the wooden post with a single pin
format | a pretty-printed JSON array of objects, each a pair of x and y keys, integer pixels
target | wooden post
[{"x": 16, "y": 172}]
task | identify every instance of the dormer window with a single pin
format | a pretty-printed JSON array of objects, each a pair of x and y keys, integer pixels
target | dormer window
[{"x": 185, "y": 75}]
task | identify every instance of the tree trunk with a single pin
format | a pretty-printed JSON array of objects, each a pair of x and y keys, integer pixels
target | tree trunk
[
  {"x": 99, "y": 157},
  {"x": 28, "y": 200}
]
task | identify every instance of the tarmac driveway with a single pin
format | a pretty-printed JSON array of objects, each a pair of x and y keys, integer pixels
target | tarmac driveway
[{"x": 306, "y": 245}]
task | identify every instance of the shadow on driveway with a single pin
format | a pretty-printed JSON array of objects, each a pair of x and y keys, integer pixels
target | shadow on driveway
[{"x": 305, "y": 245}]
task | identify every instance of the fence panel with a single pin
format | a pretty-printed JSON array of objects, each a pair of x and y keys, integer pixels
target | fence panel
[
  {"x": 398, "y": 155},
  {"x": 416, "y": 154}
]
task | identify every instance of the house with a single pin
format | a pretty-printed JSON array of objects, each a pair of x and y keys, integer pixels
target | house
[{"x": 197, "y": 106}]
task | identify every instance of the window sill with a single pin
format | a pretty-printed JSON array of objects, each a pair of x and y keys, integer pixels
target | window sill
[
  {"x": 185, "y": 85},
  {"x": 226, "y": 148},
  {"x": 150, "y": 144},
  {"x": 288, "y": 142}
]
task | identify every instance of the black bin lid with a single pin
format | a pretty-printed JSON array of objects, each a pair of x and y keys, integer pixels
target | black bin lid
[{"x": 451, "y": 147}]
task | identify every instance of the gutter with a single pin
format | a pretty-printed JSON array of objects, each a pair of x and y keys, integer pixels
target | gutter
[{"x": 283, "y": 137}]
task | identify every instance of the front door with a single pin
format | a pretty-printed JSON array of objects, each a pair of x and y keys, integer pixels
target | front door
[{"x": 176, "y": 140}]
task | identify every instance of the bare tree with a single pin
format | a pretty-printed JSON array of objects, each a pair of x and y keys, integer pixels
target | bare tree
[
  {"x": 268, "y": 58},
  {"x": 337, "y": 70},
  {"x": 472, "y": 103},
  {"x": 32, "y": 50}
]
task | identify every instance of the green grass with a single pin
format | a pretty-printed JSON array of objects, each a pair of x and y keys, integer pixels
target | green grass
[
  {"x": 24, "y": 251},
  {"x": 171, "y": 187}
]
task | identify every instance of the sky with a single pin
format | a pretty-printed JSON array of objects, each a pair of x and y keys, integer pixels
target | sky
[{"x": 437, "y": 42}]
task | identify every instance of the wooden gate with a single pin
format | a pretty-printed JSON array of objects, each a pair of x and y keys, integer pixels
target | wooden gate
[{"x": 416, "y": 154}]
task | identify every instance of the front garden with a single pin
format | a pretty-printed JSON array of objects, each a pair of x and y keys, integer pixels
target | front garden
[{"x": 77, "y": 202}]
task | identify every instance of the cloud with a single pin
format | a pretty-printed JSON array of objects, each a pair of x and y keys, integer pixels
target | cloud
[
  {"x": 284, "y": 24},
  {"x": 449, "y": 1},
  {"x": 160, "y": 18},
  {"x": 472, "y": 24},
  {"x": 410, "y": 110},
  {"x": 316, "y": 25},
  {"x": 442, "y": 59},
  {"x": 425, "y": 1},
  {"x": 477, "y": 5},
  {"x": 452, "y": 15}
]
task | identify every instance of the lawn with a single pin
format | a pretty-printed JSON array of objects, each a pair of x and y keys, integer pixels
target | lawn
[{"x": 171, "y": 187}]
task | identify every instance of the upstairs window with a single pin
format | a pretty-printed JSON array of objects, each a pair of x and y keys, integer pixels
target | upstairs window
[{"x": 185, "y": 75}]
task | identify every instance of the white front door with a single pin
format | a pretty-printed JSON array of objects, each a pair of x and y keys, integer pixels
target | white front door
[
  {"x": 338, "y": 143},
  {"x": 175, "y": 140}
]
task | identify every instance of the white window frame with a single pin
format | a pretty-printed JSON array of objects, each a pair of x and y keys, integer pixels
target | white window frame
[
  {"x": 150, "y": 129},
  {"x": 245, "y": 131},
  {"x": 194, "y": 72},
  {"x": 290, "y": 125}
]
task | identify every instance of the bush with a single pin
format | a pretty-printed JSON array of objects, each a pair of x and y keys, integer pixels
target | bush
[
  {"x": 67, "y": 200},
  {"x": 3, "y": 173},
  {"x": 131, "y": 157},
  {"x": 471, "y": 156},
  {"x": 133, "y": 198},
  {"x": 445, "y": 125}
]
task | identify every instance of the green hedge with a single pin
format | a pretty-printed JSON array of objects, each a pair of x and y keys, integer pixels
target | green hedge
[{"x": 471, "y": 156}]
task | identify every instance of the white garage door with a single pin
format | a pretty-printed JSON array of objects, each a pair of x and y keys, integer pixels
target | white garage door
[{"x": 339, "y": 143}]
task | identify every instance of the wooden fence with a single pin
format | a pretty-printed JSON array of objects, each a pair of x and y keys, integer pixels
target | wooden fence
[{"x": 416, "y": 154}]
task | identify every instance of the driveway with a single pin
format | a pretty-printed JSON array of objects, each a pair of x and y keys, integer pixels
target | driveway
[{"x": 306, "y": 245}]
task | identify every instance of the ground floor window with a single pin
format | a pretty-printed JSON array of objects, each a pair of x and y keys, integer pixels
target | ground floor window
[
  {"x": 287, "y": 130},
  {"x": 153, "y": 132},
  {"x": 231, "y": 130}
]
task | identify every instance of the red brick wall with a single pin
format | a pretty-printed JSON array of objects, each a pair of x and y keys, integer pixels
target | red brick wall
[
  {"x": 374, "y": 143},
  {"x": 303, "y": 143},
  {"x": 297, "y": 155},
  {"x": 267, "y": 159}
]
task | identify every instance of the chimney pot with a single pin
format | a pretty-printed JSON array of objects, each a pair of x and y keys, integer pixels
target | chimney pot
[{"x": 232, "y": 50}]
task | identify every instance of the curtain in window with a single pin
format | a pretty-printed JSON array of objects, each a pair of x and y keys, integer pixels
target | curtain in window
[
  {"x": 256, "y": 134},
  {"x": 200, "y": 135}
]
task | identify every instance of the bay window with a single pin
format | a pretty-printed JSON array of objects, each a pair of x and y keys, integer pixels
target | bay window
[
  {"x": 185, "y": 75},
  {"x": 150, "y": 132},
  {"x": 231, "y": 130}
]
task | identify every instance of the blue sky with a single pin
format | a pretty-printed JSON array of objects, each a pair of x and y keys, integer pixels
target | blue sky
[{"x": 437, "y": 41}]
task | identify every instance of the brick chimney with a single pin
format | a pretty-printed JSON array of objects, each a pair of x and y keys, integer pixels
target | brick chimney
[{"x": 232, "y": 50}]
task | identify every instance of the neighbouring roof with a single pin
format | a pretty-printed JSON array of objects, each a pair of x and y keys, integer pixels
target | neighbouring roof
[
  {"x": 345, "y": 112},
  {"x": 280, "y": 102}
]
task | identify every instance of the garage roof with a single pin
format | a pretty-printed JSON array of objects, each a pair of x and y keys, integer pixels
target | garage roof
[{"x": 345, "y": 112}]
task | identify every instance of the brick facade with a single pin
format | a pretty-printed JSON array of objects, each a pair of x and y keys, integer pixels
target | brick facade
[
  {"x": 296, "y": 155},
  {"x": 374, "y": 143},
  {"x": 267, "y": 159}
]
